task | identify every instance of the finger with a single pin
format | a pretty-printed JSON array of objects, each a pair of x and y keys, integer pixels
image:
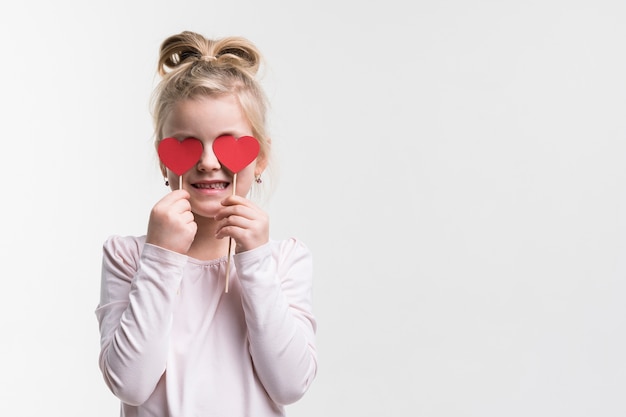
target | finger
[
  {"x": 187, "y": 217},
  {"x": 236, "y": 210},
  {"x": 232, "y": 226},
  {"x": 233, "y": 232},
  {"x": 181, "y": 193},
  {"x": 233, "y": 200},
  {"x": 175, "y": 196},
  {"x": 237, "y": 221},
  {"x": 181, "y": 206},
  {"x": 174, "y": 200}
]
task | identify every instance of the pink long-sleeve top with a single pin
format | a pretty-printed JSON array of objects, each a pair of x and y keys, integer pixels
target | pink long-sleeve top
[{"x": 175, "y": 344}]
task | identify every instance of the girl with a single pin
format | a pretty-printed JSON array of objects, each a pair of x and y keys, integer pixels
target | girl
[{"x": 173, "y": 341}]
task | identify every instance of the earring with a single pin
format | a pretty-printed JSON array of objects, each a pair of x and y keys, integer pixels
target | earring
[
  {"x": 258, "y": 179},
  {"x": 167, "y": 183}
]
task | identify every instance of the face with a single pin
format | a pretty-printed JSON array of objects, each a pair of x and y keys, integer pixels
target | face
[{"x": 206, "y": 118}]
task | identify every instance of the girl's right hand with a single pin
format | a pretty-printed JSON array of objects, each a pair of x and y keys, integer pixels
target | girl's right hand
[{"x": 171, "y": 225}]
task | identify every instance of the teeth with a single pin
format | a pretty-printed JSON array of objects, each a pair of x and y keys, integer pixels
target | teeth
[{"x": 213, "y": 186}]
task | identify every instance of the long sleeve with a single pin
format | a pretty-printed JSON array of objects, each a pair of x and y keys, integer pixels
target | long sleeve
[
  {"x": 277, "y": 300},
  {"x": 174, "y": 343},
  {"x": 135, "y": 314}
]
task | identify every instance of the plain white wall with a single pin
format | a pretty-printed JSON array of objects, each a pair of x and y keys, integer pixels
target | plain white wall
[{"x": 456, "y": 167}]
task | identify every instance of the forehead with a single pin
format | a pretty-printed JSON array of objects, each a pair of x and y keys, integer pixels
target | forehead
[{"x": 207, "y": 114}]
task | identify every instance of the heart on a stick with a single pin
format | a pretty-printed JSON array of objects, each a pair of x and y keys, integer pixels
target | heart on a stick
[
  {"x": 236, "y": 154},
  {"x": 179, "y": 156}
]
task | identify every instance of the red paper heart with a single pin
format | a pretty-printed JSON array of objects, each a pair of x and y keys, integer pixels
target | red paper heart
[
  {"x": 180, "y": 156},
  {"x": 236, "y": 154}
]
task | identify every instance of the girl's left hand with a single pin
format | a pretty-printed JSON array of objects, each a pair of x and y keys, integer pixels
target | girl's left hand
[{"x": 242, "y": 220}]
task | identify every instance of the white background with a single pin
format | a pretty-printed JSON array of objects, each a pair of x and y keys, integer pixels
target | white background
[{"x": 456, "y": 167}]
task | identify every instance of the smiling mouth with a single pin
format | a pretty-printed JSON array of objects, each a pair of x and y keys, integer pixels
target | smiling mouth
[{"x": 211, "y": 186}]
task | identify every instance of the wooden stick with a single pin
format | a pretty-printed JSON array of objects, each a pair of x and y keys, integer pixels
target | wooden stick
[
  {"x": 180, "y": 182},
  {"x": 230, "y": 239}
]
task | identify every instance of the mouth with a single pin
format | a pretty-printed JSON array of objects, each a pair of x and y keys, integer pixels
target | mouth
[{"x": 211, "y": 185}]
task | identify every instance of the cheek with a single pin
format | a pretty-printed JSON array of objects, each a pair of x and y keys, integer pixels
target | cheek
[
  {"x": 245, "y": 178},
  {"x": 173, "y": 179}
]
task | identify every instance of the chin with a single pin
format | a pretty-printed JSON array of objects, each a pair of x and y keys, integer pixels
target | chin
[{"x": 207, "y": 213}]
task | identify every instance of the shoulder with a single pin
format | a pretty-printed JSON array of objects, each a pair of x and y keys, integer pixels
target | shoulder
[
  {"x": 125, "y": 242},
  {"x": 126, "y": 248},
  {"x": 292, "y": 256},
  {"x": 283, "y": 252},
  {"x": 288, "y": 247}
]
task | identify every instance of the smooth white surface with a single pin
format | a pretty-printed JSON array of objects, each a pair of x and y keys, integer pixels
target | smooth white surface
[{"x": 457, "y": 169}]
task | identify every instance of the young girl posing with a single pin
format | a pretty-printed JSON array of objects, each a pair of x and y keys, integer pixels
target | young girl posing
[{"x": 174, "y": 342}]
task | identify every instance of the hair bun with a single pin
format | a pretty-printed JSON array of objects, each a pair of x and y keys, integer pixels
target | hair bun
[{"x": 188, "y": 47}]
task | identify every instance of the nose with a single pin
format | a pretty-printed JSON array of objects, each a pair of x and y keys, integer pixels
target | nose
[{"x": 208, "y": 161}]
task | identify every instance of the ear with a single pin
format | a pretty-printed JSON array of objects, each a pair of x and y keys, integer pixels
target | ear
[{"x": 163, "y": 170}]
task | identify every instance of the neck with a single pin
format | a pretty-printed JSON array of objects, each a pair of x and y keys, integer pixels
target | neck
[{"x": 205, "y": 245}]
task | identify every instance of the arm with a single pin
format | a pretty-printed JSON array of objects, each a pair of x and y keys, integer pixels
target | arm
[
  {"x": 277, "y": 301},
  {"x": 139, "y": 286}
]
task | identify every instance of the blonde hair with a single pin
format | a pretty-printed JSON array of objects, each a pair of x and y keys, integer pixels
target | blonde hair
[{"x": 191, "y": 66}]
